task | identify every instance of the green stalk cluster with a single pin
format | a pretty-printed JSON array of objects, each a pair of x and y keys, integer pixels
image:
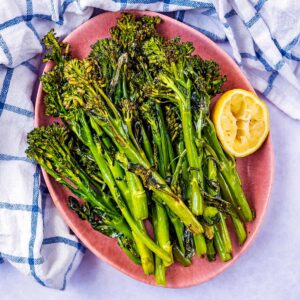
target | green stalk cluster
[{"x": 137, "y": 144}]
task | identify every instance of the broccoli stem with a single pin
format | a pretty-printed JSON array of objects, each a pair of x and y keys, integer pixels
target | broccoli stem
[
  {"x": 229, "y": 173},
  {"x": 184, "y": 105},
  {"x": 138, "y": 196},
  {"x": 146, "y": 256},
  {"x": 159, "y": 134},
  {"x": 223, "y": 230},
  {"x": 171, "y": 155},
  {"x": 168, "y": 160},
  {"x": 178, "y": 207},
  {"x": 178, "y": 226},
  {"x": 118, "y": 175},
  {"x": 239, "y": 226},
  {"x": 198, "y": 239},
  {"x": 180, "y": 257},
  {"x": 133, "y": 189},
  {"x": 240, "y": 230},
  {"x": 160, "y": 271},
  {"x": 184, "y": 169},
  {"x": 133, "y": 257},
  {"x": 134, "y": 195},
  {"x": 196, "y": 196},
  {"x": 162, "y": 230},
  {"x": 200, "y": 244},
  {"x": 164, "y": 141},
  {"x": 147, "y": 146},
  {"x": 158, "y": 142},
  {"x": 211, "y": 252},
  {"x": 128, "y": 119},
  {"x": 160, "y": 267},
  {"x": 145, "y": 253},
  {"x": 219, "y": 244},
  {"x": 212, "y": 176}
]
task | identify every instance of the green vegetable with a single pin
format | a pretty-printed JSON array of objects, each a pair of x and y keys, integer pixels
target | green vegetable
[
  {"x": 95, "y": 217},
  {"x": 136, "y": 144},
  {"x": 50, "y": 147}
]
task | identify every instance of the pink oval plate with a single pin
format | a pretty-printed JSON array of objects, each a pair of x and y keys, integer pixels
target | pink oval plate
[{"x": 256, "y": 171}]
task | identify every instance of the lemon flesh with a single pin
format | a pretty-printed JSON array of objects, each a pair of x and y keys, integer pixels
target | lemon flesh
[{"x": 242, "y": 122}]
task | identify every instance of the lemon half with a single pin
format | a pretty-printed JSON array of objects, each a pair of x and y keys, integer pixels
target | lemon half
[{"x": 242, "y": 122}]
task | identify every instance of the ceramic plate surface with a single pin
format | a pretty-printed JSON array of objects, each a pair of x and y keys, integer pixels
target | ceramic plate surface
[{"x": 256, "y": 171}]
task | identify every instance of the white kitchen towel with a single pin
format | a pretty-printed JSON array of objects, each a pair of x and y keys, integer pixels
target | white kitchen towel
[{"x": 262, "y": 36}]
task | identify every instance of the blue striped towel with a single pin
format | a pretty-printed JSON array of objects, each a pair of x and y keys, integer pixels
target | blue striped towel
[{"x": 262, "y": 36}]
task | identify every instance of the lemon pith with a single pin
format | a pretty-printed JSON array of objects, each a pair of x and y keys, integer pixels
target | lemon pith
[{"x": 242, "y": 122}]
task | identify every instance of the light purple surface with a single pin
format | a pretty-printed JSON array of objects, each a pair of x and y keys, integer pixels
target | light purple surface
[{"x": 269, "y": 270}]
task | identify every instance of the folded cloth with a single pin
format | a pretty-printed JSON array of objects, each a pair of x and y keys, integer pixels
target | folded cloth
[
  {"x": 262, "y": 36},
  {"x": 33, "y": 236}
]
